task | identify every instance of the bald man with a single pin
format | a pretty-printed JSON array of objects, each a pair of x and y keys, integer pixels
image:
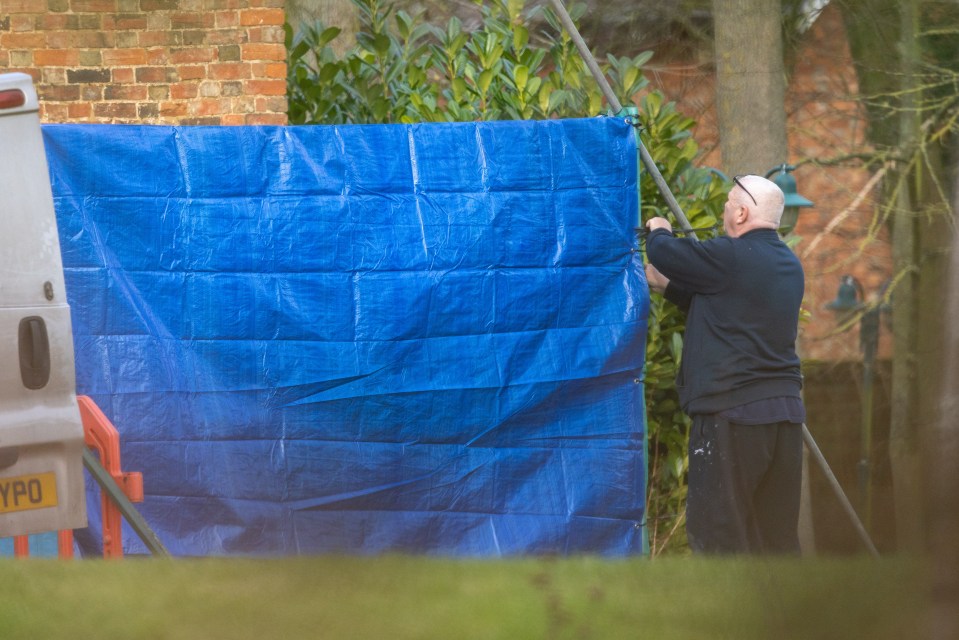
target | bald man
[{"x": 739, "y": 379}]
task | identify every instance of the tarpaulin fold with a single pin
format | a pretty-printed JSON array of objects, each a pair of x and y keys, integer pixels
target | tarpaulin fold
[{"x": 411, "y": 338}]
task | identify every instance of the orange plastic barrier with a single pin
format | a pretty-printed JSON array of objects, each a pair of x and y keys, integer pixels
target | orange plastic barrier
[{"x": 100, "y": 435}]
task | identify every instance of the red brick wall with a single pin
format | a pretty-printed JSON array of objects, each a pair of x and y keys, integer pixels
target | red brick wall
[{"x": 150, "y": 61}]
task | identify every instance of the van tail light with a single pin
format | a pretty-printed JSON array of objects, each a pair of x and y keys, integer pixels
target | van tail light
[{"x": 12, "y": 98}]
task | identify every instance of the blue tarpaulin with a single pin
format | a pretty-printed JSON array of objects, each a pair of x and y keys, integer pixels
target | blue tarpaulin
[{"x": 362, "y": 339}]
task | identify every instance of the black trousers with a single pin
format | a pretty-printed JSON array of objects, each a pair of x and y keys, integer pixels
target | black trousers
[{"x": 744, "y": 486}]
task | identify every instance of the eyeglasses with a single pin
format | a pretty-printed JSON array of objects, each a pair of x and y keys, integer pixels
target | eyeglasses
[{"x": 740, "y": 185}]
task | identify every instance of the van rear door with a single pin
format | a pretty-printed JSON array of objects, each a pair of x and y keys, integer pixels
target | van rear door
[{"x": 41, "y": 436}]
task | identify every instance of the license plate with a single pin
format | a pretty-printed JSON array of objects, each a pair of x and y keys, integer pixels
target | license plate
[{"x": 22, "y": 493}]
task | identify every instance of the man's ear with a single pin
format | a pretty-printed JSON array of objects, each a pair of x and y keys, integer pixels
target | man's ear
[{"x": 742, "y": 214}]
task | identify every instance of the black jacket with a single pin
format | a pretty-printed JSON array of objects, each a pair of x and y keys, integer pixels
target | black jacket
[{"x": 742, "y": 298}]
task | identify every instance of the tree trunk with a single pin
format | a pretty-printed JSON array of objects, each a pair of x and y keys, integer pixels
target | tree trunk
[
  {"x": 904, "y": 451},
  {"x": 750, "y": 85}
]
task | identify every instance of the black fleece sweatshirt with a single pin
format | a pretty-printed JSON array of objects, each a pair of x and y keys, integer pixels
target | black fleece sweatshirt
[{"x": 742, "y": 297}]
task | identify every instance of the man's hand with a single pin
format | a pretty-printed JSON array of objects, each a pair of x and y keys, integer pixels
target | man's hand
[
  {"x": 658, "y": 223},
  {"x": 657, "y": 281}
]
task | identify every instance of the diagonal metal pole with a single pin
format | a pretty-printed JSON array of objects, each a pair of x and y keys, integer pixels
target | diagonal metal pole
[
  {"x": 617, "y": 106},
  {"x": 129, "y": 511},
  {"x": 653, "y": 170}
]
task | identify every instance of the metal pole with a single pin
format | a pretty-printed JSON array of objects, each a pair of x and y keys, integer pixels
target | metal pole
[
  {"x": 617, "y": 106},
  {"x": 684, "y": 223},
  {"x": 107, "y": 483},
  {"x": 846, "y": 505}
]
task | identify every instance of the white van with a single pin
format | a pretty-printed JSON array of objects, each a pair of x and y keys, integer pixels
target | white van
[{"x": 41, "y": 436}]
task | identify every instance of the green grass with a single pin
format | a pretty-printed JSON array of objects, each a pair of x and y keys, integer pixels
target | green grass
[{"x": 396, "y": 597}]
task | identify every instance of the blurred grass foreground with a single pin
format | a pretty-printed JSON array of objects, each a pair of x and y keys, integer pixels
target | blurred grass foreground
[{"x": 400, "y": 597}]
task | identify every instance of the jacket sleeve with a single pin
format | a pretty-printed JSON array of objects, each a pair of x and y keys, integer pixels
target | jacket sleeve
[
  {"x": 678, "y": 296},
  {"x": 693, "y": 267}
]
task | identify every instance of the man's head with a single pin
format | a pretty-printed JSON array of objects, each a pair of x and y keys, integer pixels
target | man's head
[{"x": 753, "y": 203}]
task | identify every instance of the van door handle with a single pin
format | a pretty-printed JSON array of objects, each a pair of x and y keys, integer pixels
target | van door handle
[{"x": 34, "y": 352}]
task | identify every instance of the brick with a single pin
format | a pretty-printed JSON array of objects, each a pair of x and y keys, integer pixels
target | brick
[
  {"x": 148, "y": 110},
  {"x": 268, "y": 3},
  {"x": 205, "y": 121},
  {"x": 259, "y": 17},
  {"x": 266, "y": 34},
  {"x": 191, "y": 72},
  {"x": 191, "y": 20},
  {"x": 158, "y": 92},
  {"x": 194, "y": 37},
  {"x": 79, "y": 111},
  {"x": 124, "y": 57},
  {"x": 115, "y": 110},
  {"x": 127, "y": 39},
  {"x": 269, "y": 69},
  {"x": 82, "y": 76},
  {"x": 125, "y": 92},
  {"x": 263, "y": 51},
  {"x": 233, "y": 119},
  {"x": 209, "y": 89},
  {"x": 59, "y": 93},
  {"x": 19, "y": 23},
  {"x": 220, "y": 5},
  {"x": 92, "y": 21},
  {"x": 232, "y": 88},
  {"x": 79, "y": 40},
  {"x": 23, "y": 41},
  {"x": 266, "y": 87},
  {"x": 125, "y": 21},
  {"x": 56, "y": 58},
  {"x": 183, "y": 90},
  {"x": 58, "y": 6},
  {"x": 158, "y": 56},
  {"x": 19, "y": 58},
  {"x": 163, "y": 38},
  {"x": 267, "y": 119},
  {"x": 158, "y": 5},
  {"x": 91, "y": 58},
  {"x": 211, "y": 106},
  {"x": 172, "y": 109},
  {"x": 226, "y": 19},
  {"x": 271, "y": 103},
  {"x": 158, "y": 21},
  {"x": 192, "y": 54},
  {"x": 4, "y": 23},
  {"x": 228, "y": 53},
  {"x": 91, "y": 92},
  {"x": 93, "y": 6},
  {"x": 229, "y": 71},
  {"x": 128, "y": 6},
  {"x": 24, "y": 6},
  {"x": 53, "y": 112},
  {"x": 123, "y": 75},
  {"x": 58, "y": 22},
  {"x": 156, "y": 74},
  {"x": 55, "y": 75}
]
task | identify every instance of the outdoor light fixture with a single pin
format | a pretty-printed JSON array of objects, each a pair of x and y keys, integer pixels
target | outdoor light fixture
[
  {"x": 793, "y": 200},
  {"x": 850, "y": 298}
]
